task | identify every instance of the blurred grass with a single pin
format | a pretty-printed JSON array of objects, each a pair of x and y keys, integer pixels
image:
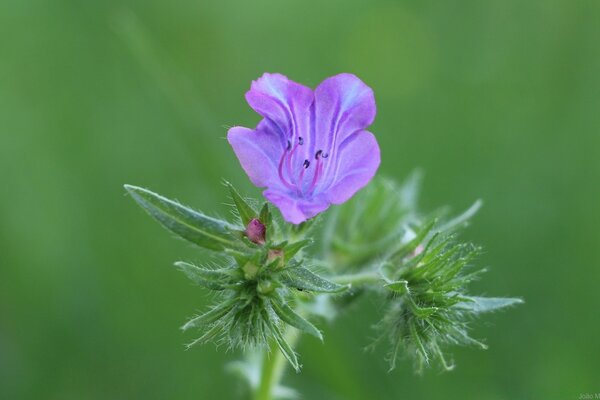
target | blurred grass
[{"x": 494, "y": 100}]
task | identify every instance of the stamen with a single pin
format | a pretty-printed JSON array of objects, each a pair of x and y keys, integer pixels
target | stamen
[
  {"x": 317, "y": 174},
  {"x": 289, "y": 161},
  {"x": 280, "y": 169},
  {"x": 306, "y": 164}
]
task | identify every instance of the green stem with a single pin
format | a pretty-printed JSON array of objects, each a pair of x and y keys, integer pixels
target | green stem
[{"x": 273, "y": 366}]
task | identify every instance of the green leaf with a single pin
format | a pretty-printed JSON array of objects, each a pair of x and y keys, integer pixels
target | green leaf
[
  {"x": 291, "y": 250},
  {"x": 246, "y": 211},
  {"x": 283, "y": 345},
  {"x": 191, "y": 225},
  {"x": 303, "y": 279},
  {"x": 210, "y": 316},
  {"x": 209, "y": 278},
  {"x": 400, "y": 287},
  {"x": 290, "y": 317},
  {"x": 487, "y": 304},
  {"x": 412, "y": 245},
  {"x": 422, "y": 312},
  {"x": 265, "y": 215},
  {"x": 462, "y": 219}
]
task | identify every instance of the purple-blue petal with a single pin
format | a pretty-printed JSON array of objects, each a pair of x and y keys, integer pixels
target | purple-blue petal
[
  {"x": 357, "y": 162},
  {"x": 283, "y": 102},
  {"x": 295, "y": 209},
  {"x": 343, "y": 105},
  {"x": 257, "y": 151}
]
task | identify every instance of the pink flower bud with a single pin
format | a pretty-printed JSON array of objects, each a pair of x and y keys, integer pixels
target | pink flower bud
[{"x": 255, "y": 231}]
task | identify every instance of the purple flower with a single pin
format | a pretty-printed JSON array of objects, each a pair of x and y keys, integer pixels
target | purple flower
[{"x": 311, "y": 148}]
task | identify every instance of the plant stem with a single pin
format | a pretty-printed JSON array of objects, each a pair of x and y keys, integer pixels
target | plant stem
[{"x": 273, "y": 366}]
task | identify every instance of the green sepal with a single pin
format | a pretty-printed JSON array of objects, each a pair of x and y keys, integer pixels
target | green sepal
[
  {"x": 399, "y": 287},
  {"x": 290, "y": 317},
  {"x": 245, "y": 210},
  {"x": 265, "y": 215},
  {"x": 487, "y": 304},
  {"x": 189, "y": 224},
  {"x": 290, "y": 250},
  {"x": 209, "y": 278},
  {"x": 421, "y": 312},
  {"x": 303, "y": 279}
]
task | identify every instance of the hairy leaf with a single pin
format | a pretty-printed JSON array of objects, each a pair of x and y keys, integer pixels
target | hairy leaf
[
  {"x": 303, "y": 279},
  {"x": 487, "y": 304},
  {"x": 191, "y": 225},
  {"x": 245, "y": 210},
  {"x": 290, "y": 317}
]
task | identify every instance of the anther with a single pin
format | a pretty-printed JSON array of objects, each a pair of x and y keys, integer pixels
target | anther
[
  {"x": 300, "y": 140},
  {"x": 289, "y": 145},
  {"x": 318, "y": 154},
  {"x": 324, "y": 155},
  {"x": 306, "y": 163}
]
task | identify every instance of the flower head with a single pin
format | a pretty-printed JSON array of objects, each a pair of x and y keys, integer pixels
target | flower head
[{"x": 311, "y": 148}]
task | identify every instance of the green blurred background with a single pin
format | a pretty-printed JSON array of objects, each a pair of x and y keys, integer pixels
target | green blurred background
[{"x": 498, "y": 100}]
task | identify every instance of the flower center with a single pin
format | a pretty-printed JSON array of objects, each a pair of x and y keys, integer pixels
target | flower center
[{"x": 288, "y": 169}]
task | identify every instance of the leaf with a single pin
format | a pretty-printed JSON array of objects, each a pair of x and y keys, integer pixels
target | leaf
[
  {"x": 265, "y": 215},
  {"x": 291, "y": 250},
  {"x": 487, "y": 304},
  {"x": 461, "y": 219},
  {"x": 290, "y": 317},
  {"x": 302, "y": 278},
  {"x": 191, "y": 225},
  {"x": 418, "y": 343},
  {"x": 423, "y": 312},
  {"x": 246, "y": 211},
  {"x": 400, "y": 287},
  {"x": 412, "y": 245},
  {"x": 210, "y": 316},
  {"x": 209, "y": 278},
  {"x": 283, "y": 345}
]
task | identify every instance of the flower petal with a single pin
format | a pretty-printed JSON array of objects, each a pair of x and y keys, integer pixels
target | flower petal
[
  {"x": 343, "y": 105},
  {"x": 294, "y": 209},
  {"x": 284, "y": 102},
  {"x": 358, "y": 158},
  {"x": 257, "y": 151}
]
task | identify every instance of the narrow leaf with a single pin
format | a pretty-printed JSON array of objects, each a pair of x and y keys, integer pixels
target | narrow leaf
[
  {"x": 416, "y": 338},
  {"x": 246, "y": 211},
  {"x": 265, "y": 215},
  {"x": 290, "y": 317},
  {"x": 462, "y": 219},
  {"x": 412, "y": 245},
  {"x": 302, "y": 278},
  {"x": 209, "y": 278},
  {"x": 487, "y": 304},
  {"x": 210, "y": 316},
  {"x": 292, "y": 249},
  {"x": 400, "y": 287},
  {"x": 191, "y": 225},
  {"x": 283, "y": 345}
]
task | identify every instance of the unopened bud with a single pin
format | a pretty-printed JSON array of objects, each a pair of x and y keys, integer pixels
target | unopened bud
[
  {"x": 276, "y": 254},
  {"x": 256, "y": 231}
]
